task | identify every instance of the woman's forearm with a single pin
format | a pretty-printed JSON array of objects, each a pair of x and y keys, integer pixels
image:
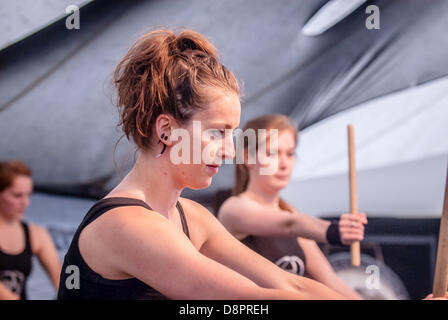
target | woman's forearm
[
  {"x": 303, "y": 294},
  {"x": 340, "y": 286},
  {"x": 6, "y": 294},
  {"x": 309, "y": 227},
  {"x": 309, "y": 289},
  {"x": 303, "y": 288}
]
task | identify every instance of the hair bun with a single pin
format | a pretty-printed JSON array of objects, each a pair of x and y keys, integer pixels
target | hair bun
[{"x": 190, "y": 40}]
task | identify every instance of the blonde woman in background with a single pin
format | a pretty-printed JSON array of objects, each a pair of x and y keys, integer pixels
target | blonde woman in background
[{"x": 261, "y": 219}]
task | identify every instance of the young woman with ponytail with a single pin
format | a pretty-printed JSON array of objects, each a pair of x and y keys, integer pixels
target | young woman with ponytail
[
  {"x": 144, "y": 241},
  {"x": 267, "y": 224}
]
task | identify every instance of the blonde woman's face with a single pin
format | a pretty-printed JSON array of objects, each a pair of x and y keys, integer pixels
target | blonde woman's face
[{"x": 284, "y": 164}]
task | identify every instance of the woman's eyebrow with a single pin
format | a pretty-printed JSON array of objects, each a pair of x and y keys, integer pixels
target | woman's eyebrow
[{"x": 221, "y": 124}]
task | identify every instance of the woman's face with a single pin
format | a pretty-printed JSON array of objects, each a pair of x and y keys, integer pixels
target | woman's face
[
  {"x": 210, "y": 132},
  {"x": 15, "y": 199},
  {"x": 282, "y": 171}
]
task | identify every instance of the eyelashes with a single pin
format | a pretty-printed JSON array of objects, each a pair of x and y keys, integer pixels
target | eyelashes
[
  {"x": 289, "y": 154},
  {"x": 219, "y": 133}
]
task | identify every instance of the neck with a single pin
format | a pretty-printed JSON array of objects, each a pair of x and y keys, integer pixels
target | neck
[
  {"x": 7, "y": 222},
  {"x": 151, "y": 180},
  {"x": 266, "y": 197}
]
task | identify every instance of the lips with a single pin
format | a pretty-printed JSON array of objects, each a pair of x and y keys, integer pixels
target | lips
[{"x": 213, "y": 168}]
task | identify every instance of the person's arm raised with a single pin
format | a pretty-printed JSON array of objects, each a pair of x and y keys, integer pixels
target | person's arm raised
[
  {"x": 149, "y": 247},
  {"x": 242, "y": 216}
]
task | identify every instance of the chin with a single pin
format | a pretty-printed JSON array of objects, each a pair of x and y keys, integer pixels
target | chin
[
  {"x": 201, "y": 184},
  {"x": 16, "y": 216},
  {"x": 279, "y": 185}
]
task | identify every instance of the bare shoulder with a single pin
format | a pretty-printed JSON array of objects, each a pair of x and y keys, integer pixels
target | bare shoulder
[
  {"x": 37, "y": 230},
  {"x": 38, "y": 236},
  {"x": 194, "y": 211},
  {"x": 118, "y": 226},
  {"x": 107, "y": 241},
  {"x": 122, "y": 219},
  {"x": 38, "y": 233},
  {"x": 204, "y": 223},
  {"x": 124, "y": 222},
  {"x": 233, "y": 207}
]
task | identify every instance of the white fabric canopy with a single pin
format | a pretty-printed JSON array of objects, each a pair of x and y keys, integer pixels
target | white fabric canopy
[{"x": 401, "y": 156}]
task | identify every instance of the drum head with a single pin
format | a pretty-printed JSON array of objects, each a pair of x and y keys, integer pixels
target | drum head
[{"x": 373, "y": 280}]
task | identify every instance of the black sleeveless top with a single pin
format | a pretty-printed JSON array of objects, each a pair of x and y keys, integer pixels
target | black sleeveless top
[
  {"x": 93, "y": 286},
  {"x": 283, "y": 251},
  {"x": 15, "y": 269}
]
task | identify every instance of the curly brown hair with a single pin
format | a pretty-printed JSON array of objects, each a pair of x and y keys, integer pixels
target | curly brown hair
[{"x": 167, "y": 73}]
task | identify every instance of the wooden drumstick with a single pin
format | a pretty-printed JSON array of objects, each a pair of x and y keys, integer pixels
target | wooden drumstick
[
  {"x": 441, "y": 273},
  {"x": 355, "y": 246}
]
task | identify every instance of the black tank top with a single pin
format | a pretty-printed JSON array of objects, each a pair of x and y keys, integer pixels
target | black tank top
[
  {"x": 283, "y": 251},
  {"x": 15, "y": 269},
  {"x": 93, "y": 286}
]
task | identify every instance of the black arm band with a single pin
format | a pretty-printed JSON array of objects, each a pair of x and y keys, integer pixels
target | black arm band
[{"x": 333, "y": 236}]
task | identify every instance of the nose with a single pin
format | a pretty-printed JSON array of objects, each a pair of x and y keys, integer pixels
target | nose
[
  {"x": 25, "y": 202},
  {"x": 282, "y": 162},
  {"x": 228, "y": 149}
]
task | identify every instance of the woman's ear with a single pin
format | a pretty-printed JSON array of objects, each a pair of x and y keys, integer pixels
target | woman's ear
[{"x": 164, "y": 126}]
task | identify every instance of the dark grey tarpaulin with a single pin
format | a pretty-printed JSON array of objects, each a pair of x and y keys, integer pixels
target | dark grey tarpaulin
[
  {"x": 20, "y": 19},
  {"x": 55, "y": 108}
]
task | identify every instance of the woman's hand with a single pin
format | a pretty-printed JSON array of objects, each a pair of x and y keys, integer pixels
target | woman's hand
[
  {"x": 351, "y": 227},
  {"x": 431, "y": 297}
]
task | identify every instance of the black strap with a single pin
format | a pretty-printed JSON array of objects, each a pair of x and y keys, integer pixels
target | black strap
[
  {"x": 27, "y": 237},
  {"x": 183, "y": 219},
  {"x": 107, "y": 204}
]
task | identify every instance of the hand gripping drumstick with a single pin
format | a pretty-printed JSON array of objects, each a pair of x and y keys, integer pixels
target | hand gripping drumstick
[
  {"x": 355, "y": 246},
  {"x": 441, "y": 273}
]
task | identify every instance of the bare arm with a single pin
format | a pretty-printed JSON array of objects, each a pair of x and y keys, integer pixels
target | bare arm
[
  {"x": 6, "y": 294},
  {"x": 45, "y": 250},
  {"x": 222, "y": 247},
  {"x": 242, "y": 217},
  {"x": 151, "y": 249},
  {"x": 319, "y": 269}
]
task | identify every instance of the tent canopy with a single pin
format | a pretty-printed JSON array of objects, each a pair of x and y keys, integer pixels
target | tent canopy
[{"x": 56, "y": 112}]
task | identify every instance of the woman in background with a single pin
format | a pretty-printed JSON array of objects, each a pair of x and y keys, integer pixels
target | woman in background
[
  {"x": 19, "y": 241},
  {"x": 257, "y": 216}
]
